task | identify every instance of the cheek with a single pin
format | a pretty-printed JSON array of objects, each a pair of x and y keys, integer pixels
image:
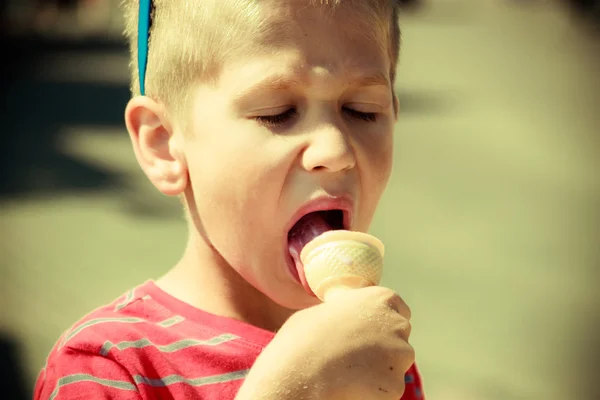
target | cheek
[
  {"x": 385, "y": 164},
  {"x": 386, "y": 152},
  {"x": 376, "y": 168},
  {"x": 377, "y": 157},
  {"x": 237, "y": 192}
]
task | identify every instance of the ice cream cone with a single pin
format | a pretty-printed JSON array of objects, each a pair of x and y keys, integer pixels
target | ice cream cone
[{"x": 339, "y": 260}]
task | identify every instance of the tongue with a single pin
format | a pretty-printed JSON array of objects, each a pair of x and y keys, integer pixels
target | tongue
[{"x": 308, "y": 228}]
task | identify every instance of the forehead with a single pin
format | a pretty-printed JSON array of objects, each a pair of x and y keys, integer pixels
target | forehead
[
  {"x": 315, "y": 49},
  {"x": 319, "y": 31}
]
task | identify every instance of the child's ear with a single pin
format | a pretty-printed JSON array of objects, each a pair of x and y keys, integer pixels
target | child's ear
[
  {"x": 155, "y": 145},
  {"x": 396, "y": 106}
]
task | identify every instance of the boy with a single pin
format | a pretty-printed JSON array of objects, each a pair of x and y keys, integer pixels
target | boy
[{"x": 271, "y": 119}]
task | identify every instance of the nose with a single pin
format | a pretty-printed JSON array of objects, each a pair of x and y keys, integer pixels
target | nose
[{"x": 329, "y": 149}]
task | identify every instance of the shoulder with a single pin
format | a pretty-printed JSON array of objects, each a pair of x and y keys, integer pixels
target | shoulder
[
  {"x": 131, "y": 317},
  {"x": 76, "y": 367}
]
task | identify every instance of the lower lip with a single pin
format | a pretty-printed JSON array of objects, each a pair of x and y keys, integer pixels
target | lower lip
[
  {"x": 293, "y": 269},
  {"x": 296, "y": 275}
]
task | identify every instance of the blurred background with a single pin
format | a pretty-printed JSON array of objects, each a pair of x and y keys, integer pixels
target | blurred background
[{"x": 490, "y": 220}]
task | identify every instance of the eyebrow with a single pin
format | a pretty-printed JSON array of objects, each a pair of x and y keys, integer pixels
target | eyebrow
[
  {"x": 272, "y": 83},
  {"x": 280, "y": 82},
  {"x": 377, "y": 79}
]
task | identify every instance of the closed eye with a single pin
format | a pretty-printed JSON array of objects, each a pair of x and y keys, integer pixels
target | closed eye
[
  {"x": 365, "y": 116},
  {"x": 276, "y": 120},
  {"x": 280, "y": 119}
]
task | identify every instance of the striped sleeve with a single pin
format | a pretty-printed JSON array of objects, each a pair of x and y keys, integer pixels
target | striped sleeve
[
  {"x": 74, "y": 374},
  {"x": 414, "y": 385}
]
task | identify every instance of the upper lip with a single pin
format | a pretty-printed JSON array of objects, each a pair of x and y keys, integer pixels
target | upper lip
[{"x": 325, "y": 203}]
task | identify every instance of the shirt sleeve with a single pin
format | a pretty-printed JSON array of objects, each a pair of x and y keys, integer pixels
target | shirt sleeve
[
  {"x": 414, "y": 387},
  {"x": 72, "y": 374}
]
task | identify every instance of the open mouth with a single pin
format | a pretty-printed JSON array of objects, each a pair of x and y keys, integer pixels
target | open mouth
[
  {"x": 309, "y": 227},
  {"x": 313, "y": 224}
]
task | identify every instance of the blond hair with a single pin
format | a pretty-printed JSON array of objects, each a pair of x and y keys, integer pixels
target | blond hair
[{"x": 191, "y": 39}]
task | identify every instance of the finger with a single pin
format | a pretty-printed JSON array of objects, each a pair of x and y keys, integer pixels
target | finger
[
  {"x": 407, "y": 358},
  {"x": 392, "y": 300},
  {"x": 404, "y": 329}
]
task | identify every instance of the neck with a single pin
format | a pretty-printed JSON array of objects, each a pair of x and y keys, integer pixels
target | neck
[{"x": 203, "y": 279}]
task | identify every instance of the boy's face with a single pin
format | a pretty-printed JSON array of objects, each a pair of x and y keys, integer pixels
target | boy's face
[{"x": 307, "y": 117}]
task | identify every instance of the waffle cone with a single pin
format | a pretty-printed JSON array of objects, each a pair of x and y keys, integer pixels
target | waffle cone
[{"x": 340, "y": 259}]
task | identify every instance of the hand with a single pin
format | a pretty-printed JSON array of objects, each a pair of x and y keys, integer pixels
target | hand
[{"x": 352, "y": 347}]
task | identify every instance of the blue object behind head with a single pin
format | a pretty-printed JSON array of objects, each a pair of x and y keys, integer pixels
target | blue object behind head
[{"x": 143, "y": 38}]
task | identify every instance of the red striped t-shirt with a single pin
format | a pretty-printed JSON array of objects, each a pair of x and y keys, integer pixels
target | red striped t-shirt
[{"x": 150, "y": 345}]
